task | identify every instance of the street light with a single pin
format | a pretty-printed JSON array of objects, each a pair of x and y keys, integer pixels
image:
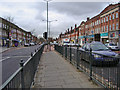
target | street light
[
  {"x": 49, "y": 25},
  {"x": 47, "y": 16}
]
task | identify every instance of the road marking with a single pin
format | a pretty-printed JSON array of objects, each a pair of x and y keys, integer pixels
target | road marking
[
  {"x": 4, "y": 59},
  {"x": 21, "y": 56}
]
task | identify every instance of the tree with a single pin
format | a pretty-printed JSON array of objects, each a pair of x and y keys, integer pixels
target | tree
[{"x": 9, "y": 18}]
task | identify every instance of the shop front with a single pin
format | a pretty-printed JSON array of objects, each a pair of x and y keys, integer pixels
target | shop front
[
  {"x": 4, "y": 41},
  {"x": 81, "y": 40},
  {"x": 104, "y": 37},
  {"x": 90, "y": 38},
  {"x": 114, "y": 37},
  {"x": 15, "y": 43}
]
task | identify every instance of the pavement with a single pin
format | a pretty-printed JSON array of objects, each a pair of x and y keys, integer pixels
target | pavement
[{"x": 55, "y": 72}]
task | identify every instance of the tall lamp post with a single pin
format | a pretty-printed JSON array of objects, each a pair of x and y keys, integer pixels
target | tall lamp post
[
  {"x": 47, "y": 17},
  {"x": 49, "y": 25}
]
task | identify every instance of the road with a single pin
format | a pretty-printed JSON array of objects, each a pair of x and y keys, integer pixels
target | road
[{"x": 11, "y": 59}]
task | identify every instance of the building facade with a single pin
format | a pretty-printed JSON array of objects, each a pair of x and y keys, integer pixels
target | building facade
[
  {"x": 12, "y": 35},
  {"x": 104, "y": 27}
]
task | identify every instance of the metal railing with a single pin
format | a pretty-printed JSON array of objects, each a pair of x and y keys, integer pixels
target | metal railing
[
  {"x": 24, "y": 76},
  {"x": 105, "y": 74}
]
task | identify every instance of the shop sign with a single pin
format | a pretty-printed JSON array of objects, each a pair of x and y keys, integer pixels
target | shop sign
[
  {"x": 81, "y": 36},
  {"x": 90, "y": 36},
  {"x": 103, "y": 34}
]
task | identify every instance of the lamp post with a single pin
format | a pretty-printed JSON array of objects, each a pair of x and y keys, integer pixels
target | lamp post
[
  {"x": 49, "y": 25},
  {"x": 47, "y": 17}
]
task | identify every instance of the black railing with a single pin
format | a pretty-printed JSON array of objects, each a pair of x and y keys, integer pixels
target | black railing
[
  {"x": 24, "y": 76},
  {"x": 106, "y": 74}
]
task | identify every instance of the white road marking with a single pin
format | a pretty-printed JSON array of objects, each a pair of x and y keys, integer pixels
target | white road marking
[
  {"x": 4, "y": 59},
  {"x": 12, "y": 57}
]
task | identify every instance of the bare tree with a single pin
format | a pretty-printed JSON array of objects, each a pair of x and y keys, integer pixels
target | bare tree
[{"x": 9, "y": 18}]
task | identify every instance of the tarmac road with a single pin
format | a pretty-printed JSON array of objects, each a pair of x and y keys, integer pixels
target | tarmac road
[{"x": 11, "y": 59}]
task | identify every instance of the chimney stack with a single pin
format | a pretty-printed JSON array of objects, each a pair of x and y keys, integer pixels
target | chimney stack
[
  {"x": 75, "y": 25},
  {"x": 68, "y": 30},
  {"x": 88, "y": 18}
]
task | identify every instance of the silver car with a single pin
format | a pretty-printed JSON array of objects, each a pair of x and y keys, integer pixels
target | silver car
[{"x": 112, "y": 46}]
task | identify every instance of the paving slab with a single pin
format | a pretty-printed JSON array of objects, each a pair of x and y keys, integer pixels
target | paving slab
[{"x": 55, "y": 72}]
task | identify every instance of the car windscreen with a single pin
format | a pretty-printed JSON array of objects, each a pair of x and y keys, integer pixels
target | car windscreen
[{"x": 98, "y": 47}]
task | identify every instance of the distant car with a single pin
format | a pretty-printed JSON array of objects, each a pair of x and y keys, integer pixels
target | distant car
[
  {"x": 32, "y": 44},
  {"x": 26, "y": 44},
  {"x": 112, "y": 46},
  {"x": 101, "y": 54}
]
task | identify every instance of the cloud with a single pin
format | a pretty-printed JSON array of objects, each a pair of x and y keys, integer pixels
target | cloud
[{"x": 29, "y": 15}]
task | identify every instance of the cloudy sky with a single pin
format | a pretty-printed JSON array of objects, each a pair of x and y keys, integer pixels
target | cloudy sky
[{"x": 28, "y": 14}]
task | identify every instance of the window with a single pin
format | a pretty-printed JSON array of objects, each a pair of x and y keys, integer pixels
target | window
[
  {"x": 93, "y": 23},
  {"x": 116, "y": 15},
  {"x": 104, "y": 28},
  {"x": 113, "y": 16},
  {"x": 106, "y": 18},
  {"x": 99, "y": 21},
  {"x": 110, "y": 27},
  {"x": 107, "y": 28},
  {"x": 110, "y": 17},
  {"x": 113, "y": 27},
  {"x": 117, "y": 26}
]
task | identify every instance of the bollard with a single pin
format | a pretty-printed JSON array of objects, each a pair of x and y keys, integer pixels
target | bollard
[
  {"x": 31, "y": 54},
  {"x": 22, "y": 74},
  {"x": 91, "y": 64},
  {"x": 35, "y": 50}
]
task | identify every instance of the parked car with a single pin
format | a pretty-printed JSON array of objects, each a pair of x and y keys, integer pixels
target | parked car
[
  {"x": 101, "y": 54},
  {"x": 26, "y": 44},
  {"x": 32, "y": 44},
  {"x": 112, "y": 46}
]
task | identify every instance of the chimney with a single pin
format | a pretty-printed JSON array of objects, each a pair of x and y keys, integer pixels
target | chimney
[
  {"x": 75, "y": 25},
  {"x": 71, "y": 28},
  {"x": 88, "y": 18},
  {"x": 68, "y": 30}
]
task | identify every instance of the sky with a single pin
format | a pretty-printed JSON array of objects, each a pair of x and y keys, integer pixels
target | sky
[{"x": 31, "y": 15}]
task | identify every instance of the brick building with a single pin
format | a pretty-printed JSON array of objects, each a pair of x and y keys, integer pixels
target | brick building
[
  {"x": 12, "y": 35},
  {"x": 103, "y": 27}
]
